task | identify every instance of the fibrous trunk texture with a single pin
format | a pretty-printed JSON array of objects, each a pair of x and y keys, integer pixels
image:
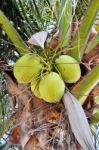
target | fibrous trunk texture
[{"x": 39, "y": 125}]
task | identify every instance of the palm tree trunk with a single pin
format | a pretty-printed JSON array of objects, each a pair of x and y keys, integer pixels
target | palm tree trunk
[{"x": 40, "y": 126}]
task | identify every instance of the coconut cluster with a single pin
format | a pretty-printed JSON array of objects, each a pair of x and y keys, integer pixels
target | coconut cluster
[{"x": 47, "y": 85}]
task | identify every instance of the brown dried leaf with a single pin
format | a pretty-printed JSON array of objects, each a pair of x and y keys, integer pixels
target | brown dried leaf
[
  {"x": 15, "y": 136},
  {"x": 74, "y": 29},
  {"x": 53, "y": 116},
  {"x": 95, "y": 91},
  {"x": 31, "y": 144},
  {"x": 11, "y": 85},
  {"x": 54, "y": 41},
  {"x": 78, "y": 122}
]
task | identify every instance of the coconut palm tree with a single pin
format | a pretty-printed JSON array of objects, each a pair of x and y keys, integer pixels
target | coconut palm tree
[{"x": 62, "y": 125}]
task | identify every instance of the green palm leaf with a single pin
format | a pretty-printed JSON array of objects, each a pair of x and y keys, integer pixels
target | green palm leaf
[
  {"x": 65, "y": 21},
  {"x": 83, "y": 33}
]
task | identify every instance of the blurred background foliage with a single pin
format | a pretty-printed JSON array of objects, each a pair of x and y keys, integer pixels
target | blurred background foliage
[{"x": 30, "y": 16}]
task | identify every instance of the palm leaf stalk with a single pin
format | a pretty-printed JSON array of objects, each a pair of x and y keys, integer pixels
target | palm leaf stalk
[
  {"x": 84, "y": 87},
  {"x": 13, "y": 34}
]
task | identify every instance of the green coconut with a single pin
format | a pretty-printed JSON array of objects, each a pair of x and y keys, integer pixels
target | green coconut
[
  {"x": 27, "y": 68},
  {"x": 51, "y": 87},
  {"x": 68, "y": 68},
  {"x": 35, "y": 88}
]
